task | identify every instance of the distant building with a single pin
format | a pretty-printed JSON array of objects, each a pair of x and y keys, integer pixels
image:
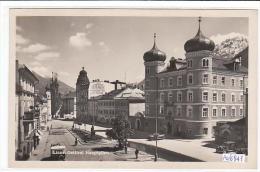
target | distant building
[
  {"x": 120, "y": 102},
  {"x": 26, "y": 112},
  {"x": 55, "y": 96},
  {"x": 82, "y": 87},
  {"x": 97, "y": 88},
  {"x": 190, "y": 95},
  {"x": 69, "y": 104},
  {"x": 48, "y": 97}
]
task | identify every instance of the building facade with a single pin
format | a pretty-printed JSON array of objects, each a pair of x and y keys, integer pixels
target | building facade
[
  {"x": 121, "y": 102},
  {"x": 69, "y": 104},
  {"x": 82, "y": 87},
  {"x": 55, "y": 95},
  {"x": 26, "y": 113},
  {"x": 190, "y": 95},
  {"x": 48, "y": 97},
  {"x": 98, "y": 87}
]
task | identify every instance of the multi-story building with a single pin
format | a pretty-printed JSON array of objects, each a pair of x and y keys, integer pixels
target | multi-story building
[
  {"x": 26, "y": 112},
  {"x": 121, "y": 102},
  {"x": 82, "y": 87},
  {"x": 48, "y": 97},
  {"x": 98, "y": 87},
  {"x": 190, "y": 95},
  {"x": 69, "y": 104},
  {"x": 55, "y": 95}
]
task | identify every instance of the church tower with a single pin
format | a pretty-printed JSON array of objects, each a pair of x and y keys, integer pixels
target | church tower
[
  {"x": 82, "y": 87},
  {"x": 154, "y": 63}
]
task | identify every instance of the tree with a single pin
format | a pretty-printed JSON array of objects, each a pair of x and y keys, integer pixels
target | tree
[{"x": 120, "y": 130}]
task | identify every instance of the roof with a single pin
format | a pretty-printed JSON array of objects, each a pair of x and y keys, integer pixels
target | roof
[
  {"x": 226, "y": 64},
  {"x": 125, "y": 93},
  {"x": 31, "y": 75},
  {"x": 112, "y": 94}
]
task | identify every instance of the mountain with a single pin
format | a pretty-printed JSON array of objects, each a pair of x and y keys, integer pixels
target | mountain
[
  {"x": 231, "y": 46},
  {"x": 63, "y": 88}
]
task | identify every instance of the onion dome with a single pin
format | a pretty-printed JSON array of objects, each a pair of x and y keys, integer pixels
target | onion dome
[
  {"x": 83, "y": 78},
  {"x": 154, "y": 54},
  {"x": 199, "y": 42}
]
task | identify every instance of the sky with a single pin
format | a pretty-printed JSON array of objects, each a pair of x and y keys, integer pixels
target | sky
[{"x": 109, "y": 48}]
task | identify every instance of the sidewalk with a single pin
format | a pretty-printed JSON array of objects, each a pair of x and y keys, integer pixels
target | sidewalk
[
  {"x": 41, "y": 150},
  {"x": 130, "y": 156}
]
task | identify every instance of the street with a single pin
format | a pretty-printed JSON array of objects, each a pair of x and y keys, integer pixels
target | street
[{"x": 98, "y": 150}]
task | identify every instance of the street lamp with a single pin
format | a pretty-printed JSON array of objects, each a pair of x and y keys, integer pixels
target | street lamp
[{"x": 156, "y": 122}]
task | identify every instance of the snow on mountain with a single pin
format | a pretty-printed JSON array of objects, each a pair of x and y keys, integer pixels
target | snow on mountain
[{"x": 229, "y": 45}]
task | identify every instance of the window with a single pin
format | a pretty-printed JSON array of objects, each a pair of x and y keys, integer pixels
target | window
[
  {"x": 223, "y": 112},
  {"x": 205, "y": 62},
  {"x": 241, "y": 112},
  {"x": 215, "y": 97},
  {"x": 147, "y": 109},
  {"x": 205, "y": 96},
  {"x": 147, "y": 71},
  {"x": 147, "y": 84},
  {"x": 241, "y": 98},
  {"x": 241, "y": 83},
  {"x": 223, "y": 97},
  {"x": 178, "y": 111},
  {"x": 146, "y": 97},
  {"x": 179, "y": 96},
  {"x": 162, "y": 83},
  {"x": 161, "y": 110},
  {"x": 215, "y": 80},
  {"x": 179, "y": 81},
  {"x": 233, "y": 82},
  {"x": 233, "y": 112},
  {"x": 233, "y": 98},
  {"x": 190, "y": 79},
  {"x": 214, "y": 112},
  {"x": 223, "y": 80},
  {"x": 189, "y": 63},
  {"x": 170, "y": 97},
  {"x": 170, "y": 82},
  {"x": 189, "y": 112},
  {"x": 205, "y": 112},
  {"x": 190, "y": 96},
  {"x": 162, "y": 97},
  {"x": 205, "y": 79},
  {"x": 205, "y": 131}
]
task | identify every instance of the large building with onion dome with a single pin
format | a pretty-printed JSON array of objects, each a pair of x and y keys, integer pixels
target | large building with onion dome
[
  {"x": 82, "y": 87},
  {"x": 190, "y": 95}
]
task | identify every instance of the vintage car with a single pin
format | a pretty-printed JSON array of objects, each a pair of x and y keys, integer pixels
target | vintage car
[
  {"x": 58, "y": 152},
  {"x": 242, "y": 151},
  {"x": 156, "y": 136},
  {"x": 228, "y": 146}
]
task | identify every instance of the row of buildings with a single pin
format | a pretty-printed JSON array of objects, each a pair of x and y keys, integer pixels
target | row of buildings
[
  {"x": 101, "y": 101},
  {"x": 32, "y": 110}
]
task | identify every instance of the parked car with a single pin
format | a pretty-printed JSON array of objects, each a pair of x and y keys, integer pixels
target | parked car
[
  {"x": 228, "y": 146},
  {"x": 58, "y": 152},
  {"x": 241, "y": 151},
  {"x": 157, "y": 136}
]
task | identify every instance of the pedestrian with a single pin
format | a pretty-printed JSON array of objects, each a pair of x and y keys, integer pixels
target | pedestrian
[
  {"x": 76, "y": 141},
  {"x": 136, "y": 153},
  {"x": 125, "y": 149}
]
